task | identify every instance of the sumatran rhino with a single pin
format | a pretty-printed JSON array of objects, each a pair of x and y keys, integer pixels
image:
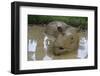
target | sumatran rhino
[{"x": 61, "y": 37}]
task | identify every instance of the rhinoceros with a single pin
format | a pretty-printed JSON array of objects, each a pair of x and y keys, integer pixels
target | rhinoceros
[{"x": 61, "y": 37}]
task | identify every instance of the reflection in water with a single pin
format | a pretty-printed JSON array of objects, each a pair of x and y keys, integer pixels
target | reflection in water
[
  {"x": 46, "y": 57},
  {"x": 32, "y": 48},
  {"x": 83, "y": 50},
  {"x": 32, "y": 45},
  {"x": 45, "y": 43}
]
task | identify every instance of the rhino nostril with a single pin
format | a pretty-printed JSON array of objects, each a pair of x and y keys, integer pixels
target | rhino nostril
[{"x": 61, "y": 48}]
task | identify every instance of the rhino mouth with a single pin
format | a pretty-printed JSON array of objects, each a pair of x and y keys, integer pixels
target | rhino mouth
[{"x": 61, "y": 48}]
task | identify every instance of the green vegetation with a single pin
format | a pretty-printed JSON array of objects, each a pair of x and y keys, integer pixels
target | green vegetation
[{"x": 81, "y": 22}]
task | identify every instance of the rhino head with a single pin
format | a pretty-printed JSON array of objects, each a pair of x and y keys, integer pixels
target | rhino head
[{"x": 62, "y": 37}]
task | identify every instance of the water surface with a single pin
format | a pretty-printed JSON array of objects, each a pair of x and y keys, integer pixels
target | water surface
[{"x": 37, "y": 49}]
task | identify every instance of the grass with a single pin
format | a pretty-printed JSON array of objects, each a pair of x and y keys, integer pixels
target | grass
[{"x": 81, "y": 22}]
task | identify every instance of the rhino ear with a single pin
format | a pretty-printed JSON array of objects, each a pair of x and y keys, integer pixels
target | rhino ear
[{"x": 60, "y": 29}]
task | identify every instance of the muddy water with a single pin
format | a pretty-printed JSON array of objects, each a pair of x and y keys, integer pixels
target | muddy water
[{"x": 37, "y": 51}]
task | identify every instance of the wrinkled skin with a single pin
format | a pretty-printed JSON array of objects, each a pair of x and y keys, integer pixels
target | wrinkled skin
[{"x": 61, "y": 37}]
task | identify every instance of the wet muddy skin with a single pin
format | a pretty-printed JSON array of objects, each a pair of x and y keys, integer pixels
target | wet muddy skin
[{"x": 36, "y": 33}]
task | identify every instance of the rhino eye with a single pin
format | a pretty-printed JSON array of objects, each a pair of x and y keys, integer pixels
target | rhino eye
[{"x": 71, "y": 38}]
